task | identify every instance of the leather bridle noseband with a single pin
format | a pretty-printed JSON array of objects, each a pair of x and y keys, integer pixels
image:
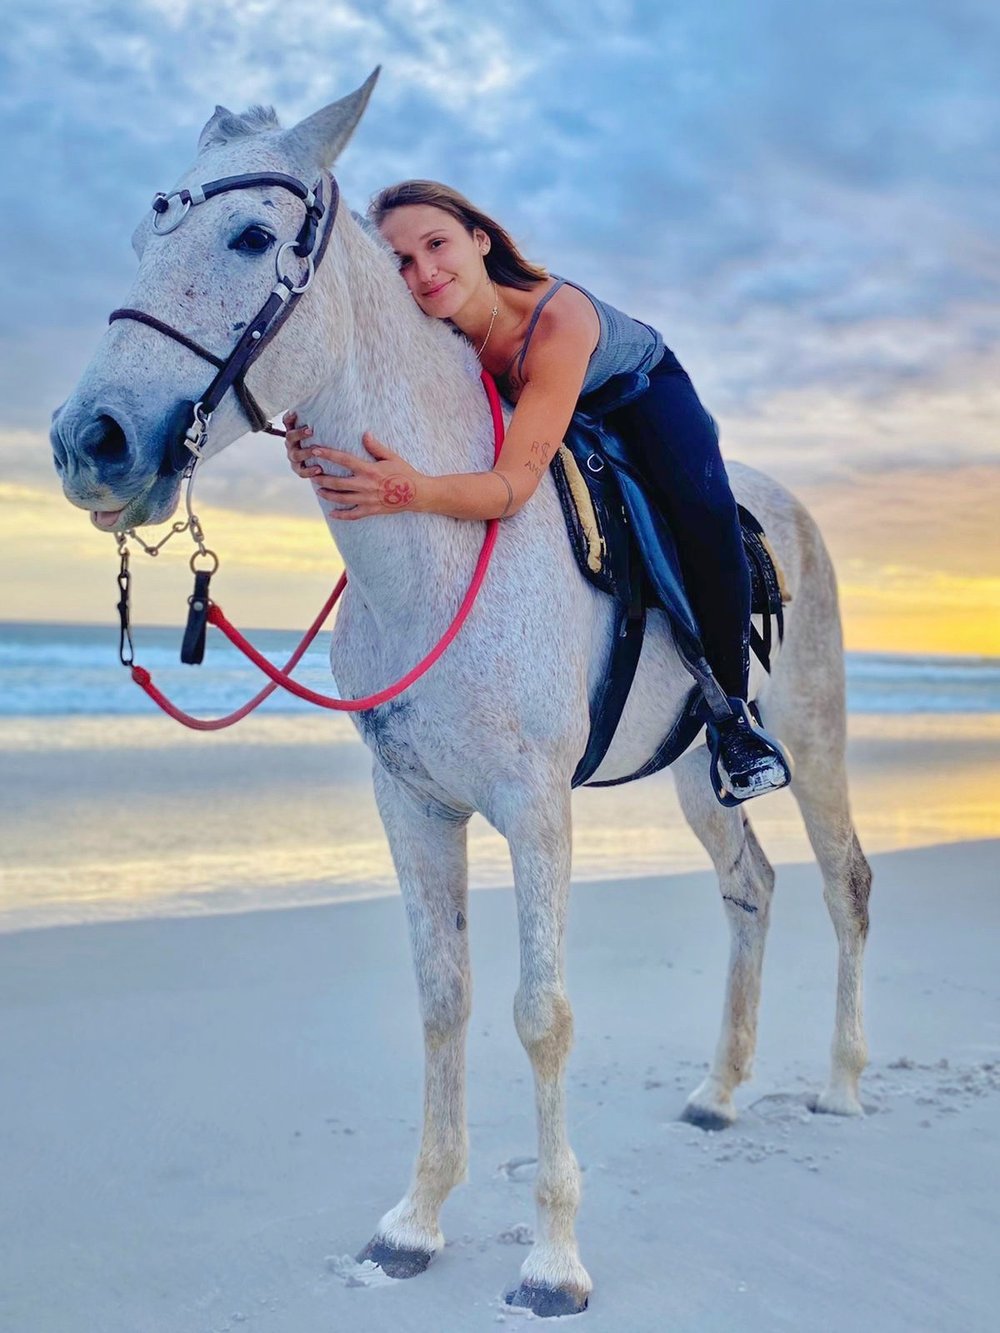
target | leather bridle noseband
[{"x": 279, "y": 305}]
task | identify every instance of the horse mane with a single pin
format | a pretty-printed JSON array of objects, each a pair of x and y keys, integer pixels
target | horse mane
[{"x": 227, "y": 126}]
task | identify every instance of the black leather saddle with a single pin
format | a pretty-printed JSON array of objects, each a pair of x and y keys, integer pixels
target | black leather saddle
[{"x": 623, "y": 545}]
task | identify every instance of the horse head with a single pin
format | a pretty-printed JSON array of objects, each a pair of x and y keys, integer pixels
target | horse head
[{"x": 210, "y": 260}]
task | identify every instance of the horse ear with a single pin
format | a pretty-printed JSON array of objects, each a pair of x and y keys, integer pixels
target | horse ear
[
  {"x": 323, "y": 135},
  {"x": 208, "y": 133}
]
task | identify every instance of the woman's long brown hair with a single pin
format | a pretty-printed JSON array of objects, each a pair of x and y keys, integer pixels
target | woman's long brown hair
[{"x": 504, "y": 262}]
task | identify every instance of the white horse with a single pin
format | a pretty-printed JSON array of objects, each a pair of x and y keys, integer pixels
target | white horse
[{"x": 500, "y": 722}]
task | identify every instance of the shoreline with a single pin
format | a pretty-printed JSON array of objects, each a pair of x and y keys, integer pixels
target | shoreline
[
  {"x": 642, "y": 883},
  {"x": 96, "y": 814}
]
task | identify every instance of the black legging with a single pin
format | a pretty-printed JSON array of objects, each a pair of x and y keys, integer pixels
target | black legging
[{"x": 676, "y": 442}]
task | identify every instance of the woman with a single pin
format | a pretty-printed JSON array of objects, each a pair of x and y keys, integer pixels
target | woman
[{"x": 547, "y": 342}]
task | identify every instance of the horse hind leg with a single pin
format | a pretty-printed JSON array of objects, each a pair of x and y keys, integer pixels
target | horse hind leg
[
  {"x": 805, "y": 705},
  {"x": 820, "y": 787},
  {"x": 746, "y": 882},
  {"x": 847, "y": 880}
]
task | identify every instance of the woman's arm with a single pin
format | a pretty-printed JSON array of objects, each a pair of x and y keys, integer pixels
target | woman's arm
[
  {"x": 555, "y": 368},
  {"x": 554, "y": 371}
]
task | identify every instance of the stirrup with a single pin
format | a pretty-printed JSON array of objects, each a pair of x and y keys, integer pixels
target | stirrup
[{"x": 780, "y": 774}]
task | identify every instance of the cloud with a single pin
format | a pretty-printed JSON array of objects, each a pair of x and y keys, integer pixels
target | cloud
[
  {"x": 916, "y": 553},
  {"x": 802, "y": 197},
  {"x": 843, "y": 433}
]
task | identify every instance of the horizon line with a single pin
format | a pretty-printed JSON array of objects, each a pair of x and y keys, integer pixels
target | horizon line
[{"x": 112, "y": 629}]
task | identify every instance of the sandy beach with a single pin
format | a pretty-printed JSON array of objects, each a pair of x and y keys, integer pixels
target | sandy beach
[
  {"x": 204, "y": 1118},
  {"x": 212, "y": 1056}
]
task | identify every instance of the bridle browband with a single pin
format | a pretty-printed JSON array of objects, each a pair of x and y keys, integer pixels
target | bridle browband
[{"x": 279, "y": 305}]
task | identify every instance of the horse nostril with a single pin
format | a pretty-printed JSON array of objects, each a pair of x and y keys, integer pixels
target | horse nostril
[
  {"x": 91, "y": 446},
  {"x": 106, "y": 441}
]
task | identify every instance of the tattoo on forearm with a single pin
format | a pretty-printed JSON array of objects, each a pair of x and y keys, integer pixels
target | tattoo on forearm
[
  {"x": 541, "y": 451},
  {"x": 396, "y": 492}
]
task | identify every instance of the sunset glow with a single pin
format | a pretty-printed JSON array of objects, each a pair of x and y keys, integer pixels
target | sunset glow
[{"x": 818, "y": 246}]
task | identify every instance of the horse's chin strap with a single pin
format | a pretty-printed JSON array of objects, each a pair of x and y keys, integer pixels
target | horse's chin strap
[{"x": 279, "y": 305}]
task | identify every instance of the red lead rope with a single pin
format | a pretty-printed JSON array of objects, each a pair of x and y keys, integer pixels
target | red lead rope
[{"x": 279, "y": 675}]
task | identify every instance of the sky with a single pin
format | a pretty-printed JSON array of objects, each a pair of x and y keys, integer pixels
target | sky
[{"x": 803, "y": 198}]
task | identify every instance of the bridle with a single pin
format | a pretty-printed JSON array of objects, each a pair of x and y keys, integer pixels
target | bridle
[
  {"x": 232, "y": 370},
  {"x": 280, "y": 303}
]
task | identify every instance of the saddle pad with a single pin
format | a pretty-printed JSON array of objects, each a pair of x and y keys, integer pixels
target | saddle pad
[{"x": 596, "y": 525}]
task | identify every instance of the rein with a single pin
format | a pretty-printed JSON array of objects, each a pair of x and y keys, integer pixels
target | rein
[
  {"x": 231, "y": 372},
  {"x": 205, "y": 612}
]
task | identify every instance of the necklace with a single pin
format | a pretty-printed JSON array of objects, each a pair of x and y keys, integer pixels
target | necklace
[{"x": 493, "y": 315}]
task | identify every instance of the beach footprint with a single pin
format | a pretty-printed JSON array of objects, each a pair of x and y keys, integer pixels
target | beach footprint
[
  {"x": 939, "y": 1086},
  {"x": 518, "y": 1168},
  {"x": 352, "y": 1274}
]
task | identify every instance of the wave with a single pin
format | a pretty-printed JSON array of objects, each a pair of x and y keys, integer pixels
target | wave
[{"x": 53, "y": 670}]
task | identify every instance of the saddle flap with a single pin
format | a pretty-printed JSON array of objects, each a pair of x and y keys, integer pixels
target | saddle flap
[{"x": 607, "y": 505}]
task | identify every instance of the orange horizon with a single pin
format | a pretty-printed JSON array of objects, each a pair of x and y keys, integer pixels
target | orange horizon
[{"x": 278, "y": 568}]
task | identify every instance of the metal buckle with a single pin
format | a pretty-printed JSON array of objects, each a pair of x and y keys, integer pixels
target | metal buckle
[
  {"x": 160, "y": 213},
  {"x": 196, "y": 435},
  {"x": 310, "y": 267}
]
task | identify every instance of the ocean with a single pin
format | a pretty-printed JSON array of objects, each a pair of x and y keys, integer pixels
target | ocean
[
  {"x": 49, "y": 670},
  {"x": 111, "y": 811}
]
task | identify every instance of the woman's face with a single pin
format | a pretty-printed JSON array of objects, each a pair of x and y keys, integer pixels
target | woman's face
[{"x": 441, "y": 262}]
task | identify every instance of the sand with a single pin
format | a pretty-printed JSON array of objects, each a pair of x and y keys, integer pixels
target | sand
[{"x": 204, "y": 1117}]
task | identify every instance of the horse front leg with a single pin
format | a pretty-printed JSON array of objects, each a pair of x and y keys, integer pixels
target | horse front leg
[
  {"x": 429, "y": 852},
  {"x": 539, "y": 832}
]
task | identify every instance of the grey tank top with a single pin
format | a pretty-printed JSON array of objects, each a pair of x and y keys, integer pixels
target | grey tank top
[{"x": 625, "y": 344}]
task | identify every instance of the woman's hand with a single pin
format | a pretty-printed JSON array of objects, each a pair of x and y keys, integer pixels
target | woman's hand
[{"x": 384, "y": 484}]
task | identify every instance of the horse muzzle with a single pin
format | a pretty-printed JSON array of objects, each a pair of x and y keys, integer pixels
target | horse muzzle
[{"x": 124, "y": 478}]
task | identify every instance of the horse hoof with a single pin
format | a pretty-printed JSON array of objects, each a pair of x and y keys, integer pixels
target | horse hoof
[
  {"x": 828, "y": 1103},
  {"x": 394, "y": 1262},
  {"x": 546, "y": 1302},
  {"x": 704, "y": 1117}
]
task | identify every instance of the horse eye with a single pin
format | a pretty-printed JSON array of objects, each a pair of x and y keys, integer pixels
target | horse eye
[{"x": 254, "y": 240}]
